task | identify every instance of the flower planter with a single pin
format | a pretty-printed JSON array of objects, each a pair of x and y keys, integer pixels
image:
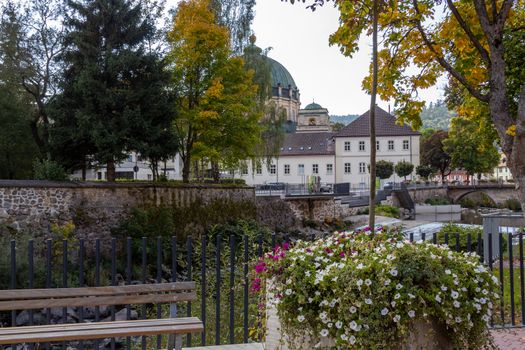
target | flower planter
[{"x": 424, "y": 335}]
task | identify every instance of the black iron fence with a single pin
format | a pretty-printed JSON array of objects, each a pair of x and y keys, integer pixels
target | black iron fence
[
  {"x": 218, "y": 264},
  {"x": 221, "y": 267}
]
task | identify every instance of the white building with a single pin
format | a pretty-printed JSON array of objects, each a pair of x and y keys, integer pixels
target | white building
[
  {"x": 394, "y": 143},
  {"x": 338, "y": 157}
]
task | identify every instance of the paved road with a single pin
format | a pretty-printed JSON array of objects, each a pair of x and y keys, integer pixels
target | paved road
[{"x": 510, "y": 339}]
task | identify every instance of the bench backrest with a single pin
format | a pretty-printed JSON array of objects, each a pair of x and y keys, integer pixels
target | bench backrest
[{"x": 28, "y": 299}]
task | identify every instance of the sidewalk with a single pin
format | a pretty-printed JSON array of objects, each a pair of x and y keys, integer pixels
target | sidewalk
[{"x": 509, "y": 339}]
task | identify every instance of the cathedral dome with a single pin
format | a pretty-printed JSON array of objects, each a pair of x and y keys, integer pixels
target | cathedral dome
[
  {"x": 313, "y": 105},
  {"x": 280, "y": 75}
]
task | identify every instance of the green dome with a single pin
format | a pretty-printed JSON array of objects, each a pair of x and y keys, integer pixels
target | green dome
[
  {"x": 280, "y": 75},
  {"x": 313, "y": 105}
]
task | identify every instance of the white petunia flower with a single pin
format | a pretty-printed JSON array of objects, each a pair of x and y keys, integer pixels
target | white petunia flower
[
  {"x": 368, "y": 301},
  {"x": 457, "y": 304},
  {"x": 397, "y": 318},
  {"x": 352, "y": 340},
  {"x": 344, "y": 337},
  {"x": 300, "y": 318},
  {"x": 324, "y": 332},
  {"x": 397, "y": 296},
  {"x": 353, "y": 309},
  {"x": 338, "y": 324},
  {"x": 454, "y": 294},
  {"x": 412, "y": 314},
  {"x": 448, "y": 272},
  {"x": 399, "y": 286},
  {"x": 387, "y": 282},
  {"x": 288, "y": 292},
  {"x": 443, "y": 288},
  {"x": 393, "y": 272},
  {"x": 384, "y": 312},
  {"x": 359, "y": 282},
  {"x": 438, "y": 298},
  {"x": 368, "y": 282},
  {"x": 458, "y": 319},
  {"x": 393, "y": 303},
  {"x": 353, "y": 325}
]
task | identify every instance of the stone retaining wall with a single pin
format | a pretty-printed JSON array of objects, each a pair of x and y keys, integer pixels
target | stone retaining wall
[{"x": 96, "y": 207}]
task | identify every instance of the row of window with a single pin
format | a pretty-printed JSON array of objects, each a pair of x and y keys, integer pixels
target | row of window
[
  {"x": 390, "y": 145},
  {"x": 363, "y": 168}
]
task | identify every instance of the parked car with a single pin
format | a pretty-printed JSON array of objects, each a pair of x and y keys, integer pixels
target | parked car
[
  {"x": 325, "y": 188},
  {"x": 273, "y": 186}
]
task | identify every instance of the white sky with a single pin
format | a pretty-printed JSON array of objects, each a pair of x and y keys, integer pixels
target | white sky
[{"x": 299, "y": 41}]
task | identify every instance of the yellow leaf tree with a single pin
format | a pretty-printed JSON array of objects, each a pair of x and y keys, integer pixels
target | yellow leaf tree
[
  {"x": 465, "y": 39},
  {"x": 216, "y": 97}
]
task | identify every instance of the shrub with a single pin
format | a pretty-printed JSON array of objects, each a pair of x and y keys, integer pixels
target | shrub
[
  {"x": 437, "y": 201},
  {"x": 49, "y": 170},
  {"x": 477, "y": 200},
  {"x": 464, "y": 231},
  {"x": 387, "y": 210},
  {"x": 366, "y": 291},
  {"x": 512, "y": 204}
]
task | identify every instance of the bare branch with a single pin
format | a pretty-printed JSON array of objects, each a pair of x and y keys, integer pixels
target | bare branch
[
  {"x": 482, "y": 51},
  {"x": 504, "y": 13},
  {"x": 441, "y": 60}
]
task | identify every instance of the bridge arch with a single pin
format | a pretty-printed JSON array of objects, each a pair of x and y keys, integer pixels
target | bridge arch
[{"x": 457, "y": 197}]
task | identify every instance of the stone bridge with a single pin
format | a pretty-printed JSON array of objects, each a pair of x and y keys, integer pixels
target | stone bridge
[{"x": 499, "y": 193}]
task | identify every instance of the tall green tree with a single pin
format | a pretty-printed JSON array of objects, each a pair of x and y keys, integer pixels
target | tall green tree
[
  {"x": 17, "y": 147},
  {"x": 237, "y": 16},
  {"x": 112, "y": 84},
  {"x": 31, "y": 39},
  {"x": 216, "y": 99},
  {"x": 433, "y": 152},
  {"x": 471, "y": 147}
]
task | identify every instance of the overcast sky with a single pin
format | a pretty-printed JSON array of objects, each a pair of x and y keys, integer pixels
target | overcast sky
[{"x": 299, "y": 41}]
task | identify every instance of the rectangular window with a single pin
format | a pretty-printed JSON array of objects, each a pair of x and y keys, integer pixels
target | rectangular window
[
  {"x": 150, "y": 177},
  {"x": 361, "y": 145},
  {"x": 258, "y": 169},
  {"x": 348, "y": 169},
  {"x": 377, "y": 145},
  {"x": 315, "y": 169},
  {"x": 329, "y": 169},
  {"x": 347, "y": 145},
  {"x": 244, "y": 170},
  {"x": 287, "y": 169},
  {"x": 362, "y": 168},
  {"x": 99, "y": 175},
  {"x": 273, "y": 169},
  {"x": 390, "y": 145},
  {"x": 130, "y": 158},
  {"x": 300, "y": 169},
  {"x": 405, "y": 145}
]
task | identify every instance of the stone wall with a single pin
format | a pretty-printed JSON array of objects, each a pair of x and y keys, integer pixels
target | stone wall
[
  {"x": 287, "y": 212},
  {"x": 95, "y": 208},
  {"x": 420, "y": 195}
]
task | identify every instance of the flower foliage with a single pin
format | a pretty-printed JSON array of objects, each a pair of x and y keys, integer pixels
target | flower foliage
[{"x": 365, "y": 291}]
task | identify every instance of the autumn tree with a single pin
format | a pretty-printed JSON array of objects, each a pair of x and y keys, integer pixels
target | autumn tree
[
  {"x": 424, "y": 39},
  {"x": 237, "y": 16},
  {"x": 218, "y": 114}
]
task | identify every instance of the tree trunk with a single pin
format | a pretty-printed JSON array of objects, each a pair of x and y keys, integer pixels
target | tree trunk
[
  {"x": 215, "y": 172},
  {"x": 372, "y": 202},
  {"x": 110, "y": 171},
  {"x": 516, "y": 160},
  {"x": 186, "y": 164},
  {"x": 84, "y": 170}
]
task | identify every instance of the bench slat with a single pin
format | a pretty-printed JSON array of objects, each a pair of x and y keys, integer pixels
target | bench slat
[
  {"x": 96, "y": 325},
  {"x": 85, "y": 333},
  {"x": 17, "y": 294},
  {"x": 97, "y": 301}
]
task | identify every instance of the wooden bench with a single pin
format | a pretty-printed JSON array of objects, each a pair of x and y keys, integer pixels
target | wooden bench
[{"x": 34, "y": 299}]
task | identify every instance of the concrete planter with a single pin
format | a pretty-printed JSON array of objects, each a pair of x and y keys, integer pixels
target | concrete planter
[{"x": 424, "y": 336}]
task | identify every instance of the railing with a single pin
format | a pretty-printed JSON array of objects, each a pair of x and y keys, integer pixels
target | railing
[{"x": 219, "y": 265}]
